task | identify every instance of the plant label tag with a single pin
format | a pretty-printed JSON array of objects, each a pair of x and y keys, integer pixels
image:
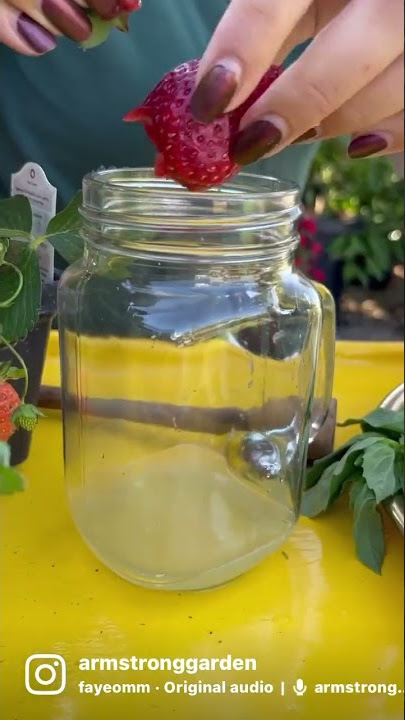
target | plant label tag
[{"x": 32, "y": 182}]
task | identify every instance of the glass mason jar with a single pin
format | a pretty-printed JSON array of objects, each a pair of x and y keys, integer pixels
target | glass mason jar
[{"x": 197, "y": 365}]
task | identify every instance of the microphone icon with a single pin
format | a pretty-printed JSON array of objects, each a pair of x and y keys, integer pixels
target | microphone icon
[{"x": 299, "y": 688}]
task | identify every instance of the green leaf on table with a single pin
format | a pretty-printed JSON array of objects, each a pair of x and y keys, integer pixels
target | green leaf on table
[
  {"x": 15, "y": 214},
  {"x": 334, "y": 479},
  {"x": 379, "y": 470},
  {"x": 10, "y": 480},
  {"x": 20, "y": 318},
  {"x": 399, "y": 471},
  {"x": 357, "y": 487},
  {"x": 317, "y": 498},
  {"x": 319, "y": 466},
  {"x": 5, "y": 453},
  {"x": 368, "y": 530},
  {"x": 63, "y": 231},
  {"x": 380, "y": 419}
]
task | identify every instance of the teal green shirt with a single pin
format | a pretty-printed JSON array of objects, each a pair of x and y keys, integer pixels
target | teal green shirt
[{"x": 64, "y": 110}]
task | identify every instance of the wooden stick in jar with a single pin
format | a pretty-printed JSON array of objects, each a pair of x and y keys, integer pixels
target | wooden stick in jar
[{"x": 218, "y": 421}]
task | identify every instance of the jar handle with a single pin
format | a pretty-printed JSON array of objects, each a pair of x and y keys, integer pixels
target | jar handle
[{"x": 326, "y": 362}]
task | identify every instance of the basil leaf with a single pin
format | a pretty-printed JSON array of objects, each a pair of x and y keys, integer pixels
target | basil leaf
[
  {"x": 379, "y": 470},
  {"x": 380, "y": 419},
  {"x": 63, "y": 231},
  {"x": 319, "y": 466},
  {"x": 10, "y": 481},
  {"x": 399, "y": 471},
  {"x": 368, "y": 530},
  {"x": 16, "y": 214},
  {"x": 317, "y": 498},
  {"x": 332, "y": 481},
  {"x": 18, "y": 319},
  {"x": 355, "y": 490}
]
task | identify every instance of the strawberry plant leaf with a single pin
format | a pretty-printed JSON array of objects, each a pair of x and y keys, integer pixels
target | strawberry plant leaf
[
  {"x": 4, "y": 244},
  {"x": 10, "y": 481},
  {"x": 379, "y": 469},
  {"x": 63, "y": 231},
  {"x": 5, "y": 453},
  {"x": 16, "y": 214},
  {"x": 18, "y": 319},
  {"x": 368, "y": 530},
  {"x": 14, "y": 234},
  {"x": 8, "y": 372}
]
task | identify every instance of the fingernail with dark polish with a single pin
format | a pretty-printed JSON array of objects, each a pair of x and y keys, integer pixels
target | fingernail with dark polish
[
  {"x": 214, "y": 93},
  {"x": 107, "y": 9},
  {"x": 256, "y": 140},
  {"x": 71, "y": 20},
  {"x": 37, "y": 37},
  {"x": 365, "y": 145},
  {"x": 306, "y": 136}
]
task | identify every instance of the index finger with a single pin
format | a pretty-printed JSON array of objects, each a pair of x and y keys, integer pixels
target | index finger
[{"x": 245, "y": 43}]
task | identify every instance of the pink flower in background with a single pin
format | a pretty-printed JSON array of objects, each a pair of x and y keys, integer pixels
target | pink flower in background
[
  {"x": 308, "y": 225},
  {"x": 316, "y": 248},
  {"x": 310, "y": 250},
  {"x": 318, "y": 274}
]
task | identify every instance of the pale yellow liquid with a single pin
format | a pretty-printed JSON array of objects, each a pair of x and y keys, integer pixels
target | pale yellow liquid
[{"x": 180, "y": 519}]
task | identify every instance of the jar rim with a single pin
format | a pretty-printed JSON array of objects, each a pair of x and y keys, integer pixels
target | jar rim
[
  {"x": 127, "y": 204},
  {"x": 137, "y": 180}
]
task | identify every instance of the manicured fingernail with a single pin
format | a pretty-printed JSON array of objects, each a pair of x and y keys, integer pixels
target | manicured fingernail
[
  {"x": 365, "y": 145},
  {"x": 306, "y": 136},
  {"x": 107, "y": 9},
  {"x": 214, "y": 92},
  {"x": 37, "y": 37},
  {"x": 256, "y": 140},
  {"x": 71, "y": 20}
]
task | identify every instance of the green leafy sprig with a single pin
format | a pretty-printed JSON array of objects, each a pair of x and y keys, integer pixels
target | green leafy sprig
[
  {"x": 371, "y": 467},
  {"x": 20, "y": 298},
  {"x": 20, "y": 277}
]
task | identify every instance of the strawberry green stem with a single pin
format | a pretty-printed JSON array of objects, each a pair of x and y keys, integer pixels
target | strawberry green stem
[{"x": 22, "y": 363}]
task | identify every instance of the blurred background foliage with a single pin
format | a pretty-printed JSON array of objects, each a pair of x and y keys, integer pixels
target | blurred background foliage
[{"x": 367, "y": 198}]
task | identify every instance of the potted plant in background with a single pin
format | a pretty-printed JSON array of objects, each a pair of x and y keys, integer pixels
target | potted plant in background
[
  {"x": 27, "y": 308},
  {"x": 359, "y": 213}
]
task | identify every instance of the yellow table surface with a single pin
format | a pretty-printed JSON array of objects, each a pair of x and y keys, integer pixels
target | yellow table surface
[{"x": 310, "y": 611}]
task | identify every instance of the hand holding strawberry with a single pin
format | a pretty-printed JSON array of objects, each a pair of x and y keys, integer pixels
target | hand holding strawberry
[{"x": 194, "y": 154}]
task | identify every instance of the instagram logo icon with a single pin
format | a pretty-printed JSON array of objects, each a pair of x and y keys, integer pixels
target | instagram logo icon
[{"x": 45, "y": 674}]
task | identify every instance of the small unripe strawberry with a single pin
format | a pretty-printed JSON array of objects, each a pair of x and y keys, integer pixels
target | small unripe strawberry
[{"x": 26, "y": 417}]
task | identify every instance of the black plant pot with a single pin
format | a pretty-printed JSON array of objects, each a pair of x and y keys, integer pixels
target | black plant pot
[
  {"x": 33, "y": 352},
  {"x": 328, "y": 230}
]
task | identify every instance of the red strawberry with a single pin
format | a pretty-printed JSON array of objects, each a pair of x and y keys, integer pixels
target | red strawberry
[
  {"x": 9, "y": 402},
  {"x": 129, "y": 6},
  {"x": 121, "y": 6},
  {"x": 194, "y": 154}
]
